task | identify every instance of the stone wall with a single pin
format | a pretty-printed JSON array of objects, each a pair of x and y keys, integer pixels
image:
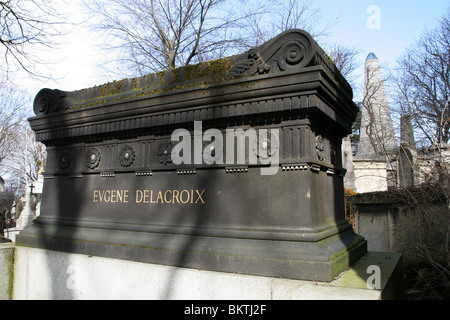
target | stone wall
[{"x": 413, "y": 222}]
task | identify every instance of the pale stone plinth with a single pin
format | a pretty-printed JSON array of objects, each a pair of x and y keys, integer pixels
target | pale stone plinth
[
  {"x": 6, "y": 270},
  {"x": 370, "y": 175},
  {"x": 44, "y": 274}
]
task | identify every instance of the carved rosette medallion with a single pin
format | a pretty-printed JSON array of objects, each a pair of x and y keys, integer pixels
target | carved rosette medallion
[
  {"x": 64, "y": 160},
  {"x": 266, "y": 148},
  {"x": 127, "y": 155},
  {"x": 164, "y": 152},
  {"x": 93, "y": 158}
]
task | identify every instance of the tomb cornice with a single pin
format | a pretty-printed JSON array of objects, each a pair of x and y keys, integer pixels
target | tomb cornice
[{"x": 290, "y": 68}]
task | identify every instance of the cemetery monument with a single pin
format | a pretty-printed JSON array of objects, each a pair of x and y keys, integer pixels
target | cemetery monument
[{"x": 232, "y": 165}]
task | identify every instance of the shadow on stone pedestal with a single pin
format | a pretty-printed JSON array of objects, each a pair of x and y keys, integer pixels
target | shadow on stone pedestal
[{"x": 60, "y": 275}]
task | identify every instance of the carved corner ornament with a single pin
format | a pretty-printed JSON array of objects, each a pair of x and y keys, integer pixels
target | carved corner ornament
[
  {"x": 254, "y": 62},
  {"x": 319, "y": 147},
  {"x": 292, "y": 48},
  {"x": 49, "y": 101}
]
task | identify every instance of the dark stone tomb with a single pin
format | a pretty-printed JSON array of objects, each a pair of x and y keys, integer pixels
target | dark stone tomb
[{"x": 231, "y": 165}]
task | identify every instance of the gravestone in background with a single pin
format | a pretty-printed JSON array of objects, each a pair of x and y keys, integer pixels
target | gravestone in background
[{"x": 115, "y": 185}]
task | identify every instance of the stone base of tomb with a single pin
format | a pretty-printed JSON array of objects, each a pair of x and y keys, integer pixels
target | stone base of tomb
[
  {"x": 47, "y": 274},
  {"x": 320, "y": 260}
]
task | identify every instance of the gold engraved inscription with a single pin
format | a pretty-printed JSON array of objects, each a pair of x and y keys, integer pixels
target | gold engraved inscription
[
  {"x": 150, "y": 196},
  {"x": 112, "y": 196}
]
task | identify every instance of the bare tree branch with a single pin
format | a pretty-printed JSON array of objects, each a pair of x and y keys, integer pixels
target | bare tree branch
[
  {"x": 164, "y": 34},
  {"x": 26, "y": 28},
  {"x": 423, "y": 83},
  {"x": 21, "y": 157},
  {"x": 345, "y": 60}
]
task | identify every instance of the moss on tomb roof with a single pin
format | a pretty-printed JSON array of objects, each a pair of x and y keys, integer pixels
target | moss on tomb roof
[{"x": 202, "y": 74}]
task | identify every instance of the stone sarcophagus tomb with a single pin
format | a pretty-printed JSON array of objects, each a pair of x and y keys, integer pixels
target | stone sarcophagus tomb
[{"x": 232, "y": 165}]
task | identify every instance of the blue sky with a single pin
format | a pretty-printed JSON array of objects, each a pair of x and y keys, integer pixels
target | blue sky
[
  {"x": 394, "y": 26},
  {"x": 385, "y": 27},
  {"x": 401, "y": 23}
]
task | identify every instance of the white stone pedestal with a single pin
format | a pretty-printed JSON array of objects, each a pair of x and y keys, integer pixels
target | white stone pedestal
[{"x": 43, "y": 274}]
